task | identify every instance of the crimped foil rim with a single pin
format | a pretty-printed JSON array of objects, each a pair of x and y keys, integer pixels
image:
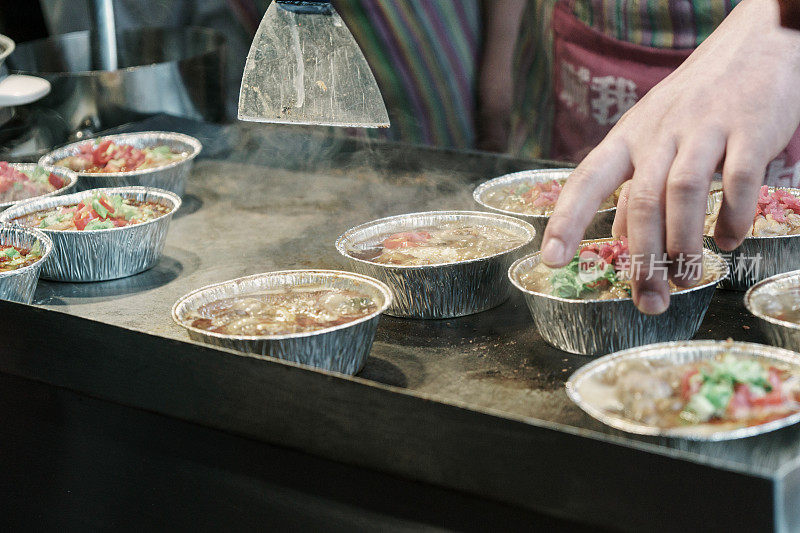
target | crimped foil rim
[
  {"x": 793, "y": 191},
  {"x": 381, "y": 286},
  {"x": 521, "y": 224},
  {"x": 194, "y": 145},
  {"x": 724, "y": 270},
  {"x": 31, "y": 206},
  {"x": 47, "y": 243},
  {"x": 8, "y": 45},
  {"x": 64, "y": 172},
  {"x": 748, "y": 296},
  {"x": 712, "y": 347},
  {"x": 505, "y": 179}
]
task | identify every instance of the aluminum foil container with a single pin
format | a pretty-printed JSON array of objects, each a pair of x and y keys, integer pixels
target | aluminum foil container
[
  {"x": 64, "y": 173},
  {"x": 581, "y": 386},
  {"x": 170, "y": 177},
  {"x": 774, "y": 295},
  {"x": 20, "y": 284},
  {"x": 775, "y": 254},
  {"x": 100, "y": 255},
  {"x": 597, "y": 327},
  {"x": 341, "y": 348},
  {"x": 598, "y": 228},
  {"x": 443, "y": 290}
]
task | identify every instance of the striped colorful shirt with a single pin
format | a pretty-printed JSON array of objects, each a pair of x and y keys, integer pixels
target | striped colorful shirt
[
  {"x": 656, "y": 23},
  {"x": 424, "y": 55}
]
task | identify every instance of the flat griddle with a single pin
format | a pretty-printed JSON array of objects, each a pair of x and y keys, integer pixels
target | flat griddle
[{"x": 475, "y": 404}]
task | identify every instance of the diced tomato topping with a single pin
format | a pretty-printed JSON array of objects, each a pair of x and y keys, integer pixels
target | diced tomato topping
[
  {"x": 80, "y": 223},
  {"x": 775, "y": 396},
  {"x": 126, "y": 157},
  {"x": 741, "y": 401},
  {"x": 99, "y": 155},
  {"x": 106, "y": 205},
  {"x": 543, "y": 194},
  {"x": 120, "y": 222},
  {"x": 609, "y": 252},
  {"x": 688, "y": 387},
  {"x": 56, "y": 181},
  {"x": 82, "y": 218},
  {"x": 406, "y": 239}
]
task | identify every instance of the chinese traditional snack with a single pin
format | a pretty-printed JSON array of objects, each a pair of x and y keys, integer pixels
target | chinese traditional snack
[
  {"x": 449, "y": 242},
  {"x": 728, "y": 390},
  {"x": 533, "y": 198},
  {"x": 599, "y": 271},
  {"x": 99, "y": 211},
  {"x": 778, "y": 213},
  {"x": 105, "y": 156},
  {"x": 295, "y": 309},
  {"x": 16, "y": 185},
  {"x": 15, "y": 257}
]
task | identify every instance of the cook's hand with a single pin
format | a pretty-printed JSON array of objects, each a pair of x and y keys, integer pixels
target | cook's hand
[{"x": 735, "y": 98}]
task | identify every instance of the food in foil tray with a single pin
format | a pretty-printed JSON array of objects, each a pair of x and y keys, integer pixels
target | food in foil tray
[
  {"x": 99, "y": 211},
  {"x": 599, "y": 271},
  {"x": 778, "y": 213},
  {"x": 728, "y": 391},
  {"x": 449, "y": 242},
  {"x": 106, "y": 156},
  {"x": 295, "y": 309},
  {"x": 533, "y": 198},
  {"x": 16, "y": 257},
  {"x": 16, "y": 185}
]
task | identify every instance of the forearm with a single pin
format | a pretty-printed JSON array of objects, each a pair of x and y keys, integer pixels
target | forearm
[{"x": 502, "y": 20}]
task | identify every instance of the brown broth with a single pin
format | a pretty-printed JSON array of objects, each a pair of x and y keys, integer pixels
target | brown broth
[{"x": 298, "y": 309}]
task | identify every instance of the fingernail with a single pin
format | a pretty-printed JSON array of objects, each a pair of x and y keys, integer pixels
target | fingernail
[
  {"x": 652, "y": 303},
  {"x": 553, "y": 251}
]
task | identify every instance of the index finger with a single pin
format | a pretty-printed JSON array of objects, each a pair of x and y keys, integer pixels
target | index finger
[{"x": 598, "y": 175}]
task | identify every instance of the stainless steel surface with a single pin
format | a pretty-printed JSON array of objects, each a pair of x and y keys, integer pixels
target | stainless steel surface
[
  {"x": 175, "y": 71},
  {"x": 19, "y": 285},
  {"x": 341, "y": 348},
  {"x": 678, "y": 353},
  {"x": 774, "y": 295},
  {"x": 434, "y": 395},
  {"x": 443, "y": 290},
  {"x": 170, "y": 177},
  {"x": 308, "y": 69},
  {"x": 64, "y": 173},
  {"x": 105, "y": 32},
  {"x": 105, "y": 254},
  {"x": 598, "y": 228},
  {"x": 598, "y": 327},
  {"x": 757, "y": 258}
]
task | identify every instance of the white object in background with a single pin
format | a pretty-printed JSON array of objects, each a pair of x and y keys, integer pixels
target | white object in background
[{"x": 18, "y": 89}]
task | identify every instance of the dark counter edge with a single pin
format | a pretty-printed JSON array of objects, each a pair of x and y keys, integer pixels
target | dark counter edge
[{"x": 568, "y": 474}]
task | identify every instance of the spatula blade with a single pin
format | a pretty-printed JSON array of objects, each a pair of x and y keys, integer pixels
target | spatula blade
[{"x": 308, "y": 69}]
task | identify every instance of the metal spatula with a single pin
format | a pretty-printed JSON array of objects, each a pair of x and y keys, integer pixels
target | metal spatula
[{"x": 305, "y": 67}]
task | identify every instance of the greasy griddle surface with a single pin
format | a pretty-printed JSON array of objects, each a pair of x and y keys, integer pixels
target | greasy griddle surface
[{"x": 242, "y": 216}]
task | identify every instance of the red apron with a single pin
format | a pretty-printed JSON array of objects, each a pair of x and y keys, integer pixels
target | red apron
[{"x": 597, "y": 78}]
